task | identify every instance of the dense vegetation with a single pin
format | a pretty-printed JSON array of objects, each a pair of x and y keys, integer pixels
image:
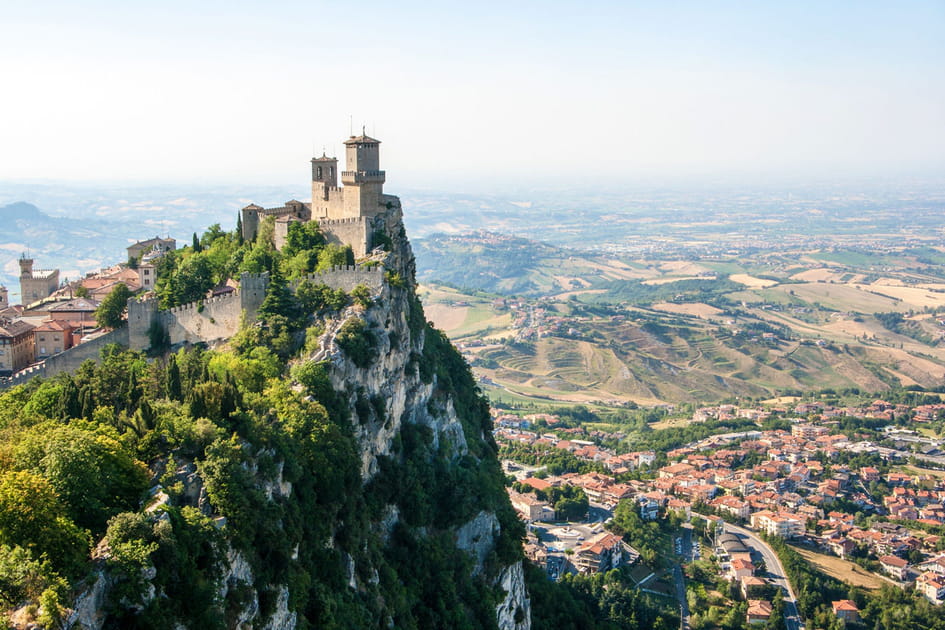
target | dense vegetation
[
  {"x": 187, "y": 274},
  {"x": 191, "y": 464},
  {"x": 890, "y": 608},
  {"x": 605, "y": 601}
]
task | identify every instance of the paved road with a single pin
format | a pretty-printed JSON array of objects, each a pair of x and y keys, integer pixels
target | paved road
[
  {"x": 775, "y": 572},
  {"x": 681, "y": 596}
]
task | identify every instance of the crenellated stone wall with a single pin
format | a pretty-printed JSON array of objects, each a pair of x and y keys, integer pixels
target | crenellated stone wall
[
  {"x": 346, "y": 278},
  {"x": 211, "y": 320}
]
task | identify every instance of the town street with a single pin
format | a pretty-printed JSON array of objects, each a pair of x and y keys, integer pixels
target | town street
[{"x": 775, "y": 572}]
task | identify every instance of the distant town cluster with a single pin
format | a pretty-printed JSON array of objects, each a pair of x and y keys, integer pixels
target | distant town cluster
[
  {"x": 56, "y": 316},
  {"x": 837, "y": 492}
]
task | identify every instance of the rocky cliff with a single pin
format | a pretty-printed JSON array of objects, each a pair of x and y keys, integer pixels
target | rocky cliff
[{"x": 358, "y": 489}]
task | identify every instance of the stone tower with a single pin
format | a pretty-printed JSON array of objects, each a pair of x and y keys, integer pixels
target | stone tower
[
  {"x": 4, "y": 297},
  {"x": 324, "y": 177},
  {"x": 362, "y": 177},
  {"x": 36, "y": 284},
  {"x": 26, "y": 267}
]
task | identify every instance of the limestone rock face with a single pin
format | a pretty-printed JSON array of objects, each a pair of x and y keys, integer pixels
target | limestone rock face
[
  {"x": 515, "y": 612},
  {"x": 398, "y": 394}
]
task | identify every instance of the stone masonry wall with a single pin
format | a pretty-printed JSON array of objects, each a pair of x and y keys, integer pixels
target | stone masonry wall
[
  {"x": 217, "y": 318},
  {"x": 352, "y": 231},
  {"x": 346, "y": 278}
]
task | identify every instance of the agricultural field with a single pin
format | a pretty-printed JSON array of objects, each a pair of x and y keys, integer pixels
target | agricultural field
[
  {"x": 585, "y": 327},
  {"x": 843, "y": 570}
]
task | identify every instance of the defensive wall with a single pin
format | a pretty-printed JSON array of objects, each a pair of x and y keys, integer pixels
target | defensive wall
[
  {"x": 346, "y": 278},
  {"x": 68, "y": 360},
  {"x": 209, "y": 320}
]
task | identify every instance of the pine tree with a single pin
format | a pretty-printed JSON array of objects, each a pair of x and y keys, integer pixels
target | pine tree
[
  {"x": 239, "y": 227},
  {"x": 196, "y": 244}
]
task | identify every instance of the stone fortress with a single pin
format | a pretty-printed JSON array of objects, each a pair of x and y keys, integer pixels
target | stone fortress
[
  {"x": 355, "y": 214},
  {"x": 346, "y": 215}
]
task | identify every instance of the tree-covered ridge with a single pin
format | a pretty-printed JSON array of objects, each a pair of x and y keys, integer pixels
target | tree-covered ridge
[
  {"x": 186, "y": 275},
  {"x": 200, "y": 485}
]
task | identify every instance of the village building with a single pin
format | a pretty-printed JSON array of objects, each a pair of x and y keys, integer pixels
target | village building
[
  {"x": 16, "y": 346},
  {"x": 157, "y": 244},
  {"x": 759, "y": 611},
  {"x": 51, "y": 338},
  {"x": 895, "y": 567},
  {"x": 931, "y": 585},
  {"x": 530, "y": 508},
  {"x": 603, "y": 552},
  {"x": 846, "y": 610}
]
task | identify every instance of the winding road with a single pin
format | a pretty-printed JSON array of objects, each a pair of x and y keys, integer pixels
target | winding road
[{"x": 775, "y": 572}]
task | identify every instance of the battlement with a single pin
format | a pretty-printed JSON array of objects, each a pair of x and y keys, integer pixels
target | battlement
[
  {"x": 201, "y": 304},
  {"x": 342, "y": 221},
  {"x": 359, "y": 177},
  {"x": 346, "y": 278}
]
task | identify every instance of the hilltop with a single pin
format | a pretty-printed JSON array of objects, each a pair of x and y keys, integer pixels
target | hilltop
[{"x": 584, "y": 326}]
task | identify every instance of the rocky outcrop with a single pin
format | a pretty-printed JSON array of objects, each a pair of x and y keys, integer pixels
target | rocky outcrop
[
  {"x": 515, "y": 611},
  {"x": 383, "y": 395}
]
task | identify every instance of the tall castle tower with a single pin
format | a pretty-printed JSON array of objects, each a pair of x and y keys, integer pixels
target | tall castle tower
[{"x": 362, "y": 177}]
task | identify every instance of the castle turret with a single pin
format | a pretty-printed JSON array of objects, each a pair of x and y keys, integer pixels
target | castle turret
[
  {"x": 26, "y": 267},
  {"x": 362, "y": 177},
  {"x": 324, "y": 175}
]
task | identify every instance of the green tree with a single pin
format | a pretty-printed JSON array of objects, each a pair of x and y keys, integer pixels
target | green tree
[
  {"x": 109, "y": 313},
  {"x": 90, "y": 469},
  {"x": 33, "y": 517},
  {"x": 334, "y": 255}
]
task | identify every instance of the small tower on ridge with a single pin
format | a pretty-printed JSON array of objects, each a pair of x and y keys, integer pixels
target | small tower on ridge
[
  {"x": 4, "y": 297},
  {"x": 324, "y": 176}
]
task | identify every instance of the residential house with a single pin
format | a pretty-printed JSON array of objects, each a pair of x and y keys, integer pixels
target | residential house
[
  {"x": 759, "y": 611},
  {"x": 932, "y": 586},
  {"x": 603, "y": 552},
  {"x": 846, "y": 610},
  {"x": 895, "y": 567},
  {"x": 51, "y": 338}
]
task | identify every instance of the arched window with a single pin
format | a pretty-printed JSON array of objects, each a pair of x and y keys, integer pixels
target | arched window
[{"x": 319, "y": 172}]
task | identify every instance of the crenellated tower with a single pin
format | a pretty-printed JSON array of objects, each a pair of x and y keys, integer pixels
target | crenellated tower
[{"x": 362, "y": 177}]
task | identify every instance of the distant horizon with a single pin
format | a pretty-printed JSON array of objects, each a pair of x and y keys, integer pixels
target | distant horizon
[{"x": 480, "y": 93}]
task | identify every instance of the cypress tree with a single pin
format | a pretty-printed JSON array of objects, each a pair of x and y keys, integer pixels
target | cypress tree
[
  {"x": 69, "y": 405},
  {"x": 173, "y": 378},
  {"x": 279, "y": 299}
]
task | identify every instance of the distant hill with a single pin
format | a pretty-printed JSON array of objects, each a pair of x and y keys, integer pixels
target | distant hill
[
  {"x": 21, "y": 211},
  {"x": 674, "y": 327}
]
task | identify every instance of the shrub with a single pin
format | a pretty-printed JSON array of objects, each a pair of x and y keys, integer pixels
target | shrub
[{"x": 356, "y": 341}]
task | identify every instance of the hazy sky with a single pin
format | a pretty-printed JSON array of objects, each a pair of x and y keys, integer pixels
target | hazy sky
[{"x": 462, "y": 93}]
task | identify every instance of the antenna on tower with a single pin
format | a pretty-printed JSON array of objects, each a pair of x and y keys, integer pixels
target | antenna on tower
[{"x": 350, "y": 124}]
